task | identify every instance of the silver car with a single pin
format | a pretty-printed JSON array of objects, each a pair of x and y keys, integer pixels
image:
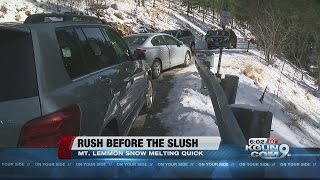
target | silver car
[
  {"x": 68, "y": 78},
  {"x": 161, "y": 51}
]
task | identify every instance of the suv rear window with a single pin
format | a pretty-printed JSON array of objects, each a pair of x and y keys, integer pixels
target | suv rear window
[{"x": 17, "y": 67}]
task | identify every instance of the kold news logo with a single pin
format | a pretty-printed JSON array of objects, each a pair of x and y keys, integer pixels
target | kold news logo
[{"x": 267, "y": 148}]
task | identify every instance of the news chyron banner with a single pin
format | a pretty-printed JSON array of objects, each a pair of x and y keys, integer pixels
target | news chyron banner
[{"x": 91, "y": 147}]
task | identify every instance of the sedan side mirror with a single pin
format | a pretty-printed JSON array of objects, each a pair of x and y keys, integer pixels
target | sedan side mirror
[{"x": 180, "y": 43}]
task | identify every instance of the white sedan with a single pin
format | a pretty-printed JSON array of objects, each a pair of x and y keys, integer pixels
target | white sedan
[{"x": 161, "y": 51}]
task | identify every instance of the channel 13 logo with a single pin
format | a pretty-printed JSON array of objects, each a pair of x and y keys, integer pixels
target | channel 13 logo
[{"x": 267, "y": 148}]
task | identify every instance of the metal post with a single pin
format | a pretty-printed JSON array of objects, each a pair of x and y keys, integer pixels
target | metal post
[
  {"x": 220, "y": 55},
  {"x": 230, "y": 86},
  {"x": 207, "y": 58}
]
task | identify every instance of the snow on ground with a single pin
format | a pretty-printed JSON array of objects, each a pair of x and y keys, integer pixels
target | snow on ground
[
  {"x": 191, "y": 113},
  {"x": 17, "y": 9},
  {"x": 296, "y": 111},
  {"x": 191, "y": 24}
]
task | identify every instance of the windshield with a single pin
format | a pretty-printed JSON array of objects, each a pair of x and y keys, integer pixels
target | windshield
[
  {"x": 212, "y": 33},
  {"x": 135, "y": 40},
  {"x": 17, "y": 68}
]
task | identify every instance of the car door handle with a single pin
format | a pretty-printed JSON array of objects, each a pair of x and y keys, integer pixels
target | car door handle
[
  {"x": 105, "y": 79},
  {"x": 128, "y": 79}
]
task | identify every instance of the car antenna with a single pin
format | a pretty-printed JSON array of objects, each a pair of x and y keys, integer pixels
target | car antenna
[{"x": 262, "y": 97}]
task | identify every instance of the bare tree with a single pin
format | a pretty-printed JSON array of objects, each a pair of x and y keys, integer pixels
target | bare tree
[{"x": 270, "y": 32}]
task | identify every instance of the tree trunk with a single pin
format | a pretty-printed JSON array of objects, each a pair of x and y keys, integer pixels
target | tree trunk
[
  {"x": 284, "y": 63},
  {"x": 188, "y": 9},
  {"x": 203, "y": 13},
  {"x": 213, "y": 11},
  {"x": 301, "y": 69}
]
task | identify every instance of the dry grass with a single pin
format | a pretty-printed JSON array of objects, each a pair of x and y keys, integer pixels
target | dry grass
[
  {"x": 122, "y": 29},
  {"x": 307, "y": 95},
  {"x": 294, "y": 114},
  {"x": 3, "y": 11},
  {"x": 253, "y": 73},
  {"x": 17, "y": 17}
]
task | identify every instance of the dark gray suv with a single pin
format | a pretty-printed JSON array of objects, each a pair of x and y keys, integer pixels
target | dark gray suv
[
  {"x": 185, "y": 36},
  {"x": 67, "y": 75}
]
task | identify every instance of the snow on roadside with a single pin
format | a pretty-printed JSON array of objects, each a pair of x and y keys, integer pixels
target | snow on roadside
[
  {"x": 189, "y": 112},
  {"x": 296, "y": 111},
  {"x": 296, "y": 116},
  {"x": 17, "y": 10},
  {"x": 191, "y": 24}
]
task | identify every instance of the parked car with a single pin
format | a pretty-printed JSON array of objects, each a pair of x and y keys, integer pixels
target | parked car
[
  {"x": 67, "y": 78},
  {"x": 161, "y": 51},
  {"x": 185, "y": 36},
  {"x": 214, "y": 38}
]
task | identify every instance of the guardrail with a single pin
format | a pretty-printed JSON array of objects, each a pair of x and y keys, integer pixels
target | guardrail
[
  {"x": 237, "y": 123},
  {"x": 229, "y": 128}
]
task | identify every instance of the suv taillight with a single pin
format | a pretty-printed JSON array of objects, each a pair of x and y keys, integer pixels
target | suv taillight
[{"x": 47, "y": 131}]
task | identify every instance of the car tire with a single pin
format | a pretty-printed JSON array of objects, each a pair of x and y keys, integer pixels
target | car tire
[
  {"x": 229, "y": 45},
  {"x": 156, "y": 68},
  {"x": 192, "y": 47},
  {"x": 187, "y": 59},
  {"x": 148, "y": 99}
]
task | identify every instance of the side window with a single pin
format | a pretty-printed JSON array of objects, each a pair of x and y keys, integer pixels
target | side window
[
  {"x": 170, "y": 40},
  {"x": 71, "y": 52},
  {"x": 158, "y": 41},
  {"x": 100, "y": 53},
  {"x": 119, "y": 45},
  {"x": 183, "y": 34}
]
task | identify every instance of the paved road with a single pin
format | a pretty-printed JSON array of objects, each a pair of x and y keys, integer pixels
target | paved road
[{"x": 149, "y": 124}]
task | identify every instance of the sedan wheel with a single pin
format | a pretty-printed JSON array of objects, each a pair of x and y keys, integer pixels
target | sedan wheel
[
  {"x": 192, "y": 48},
  {"x": 156, "y": 69},
  {"x": 149, "y": 99},
  {"x": 187, "y": 59},
  {"x": 149, "y": 95}
]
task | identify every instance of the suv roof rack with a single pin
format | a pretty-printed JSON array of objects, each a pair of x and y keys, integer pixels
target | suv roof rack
[{"x": 45, "y": 17}]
